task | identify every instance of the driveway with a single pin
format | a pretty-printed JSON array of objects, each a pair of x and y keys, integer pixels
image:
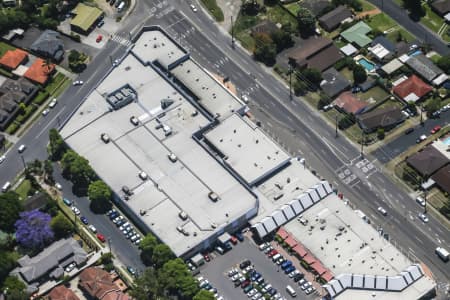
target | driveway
[{"x": 216, "y": 271}]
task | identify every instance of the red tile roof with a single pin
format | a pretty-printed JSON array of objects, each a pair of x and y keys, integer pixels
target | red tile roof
[
  {"x": 13, "y": 58},
  {"x": 282, "y": 233},
  {"x": 39, "y": 72},
  {"x": 299, "y": 250},
  {"x": 318, "y": 267},
  {"x": 309, "y": 259},
  {"x": 327, "y": 276},
  {"x": 290, "y": 241},
  {"x": 97, "y": 282},
  {"x": 412, "y": 85},
  {"x": 349, "y": 103},
  {"x": 62, "y": 293}
]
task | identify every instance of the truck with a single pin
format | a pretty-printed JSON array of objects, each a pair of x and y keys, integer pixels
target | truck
[
  {"x": 442, "y": 253},
  {"x": 121, "y": 6}
]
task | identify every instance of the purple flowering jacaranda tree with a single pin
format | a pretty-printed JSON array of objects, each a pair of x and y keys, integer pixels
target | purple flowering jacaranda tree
[{"x": 33, "y": 229}]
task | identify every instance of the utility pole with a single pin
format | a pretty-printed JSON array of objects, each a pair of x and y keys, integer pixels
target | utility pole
[
  {"x": 111, "y": 60},
  {"x": 109, "y": 244},
  {"x": 290, "y": 82},
  {"x": 421, "y": 114},
  {"x": 232, "y": 32},
  {"x": 23, "y": 162},
  {"x": 362, "y": 143},
  {"x": 336, "y": 126}
]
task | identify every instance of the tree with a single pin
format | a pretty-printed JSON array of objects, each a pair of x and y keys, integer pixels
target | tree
[
  {"x": 380, "y": 133},
  {"x": 299, "y": 87},
  {"x": 13, "y": 284},
  {"x": 61, "y": 226},
  {"x": 204, "y": 295},
  {"x": 100, "y": 195},
  {"x": 161, "y": 255},
  {"x": 313, "y": 76},
  {"x": 282, "y": 39},
  {"x": 7, "y": 264},
  {"x": 444, "y": 63},
  {"x": 250, "y": 7},
  {"x": 265, "y": 49},
  {"x": 33, "y": 229},
  {"x": 10, "y": 208},
  {"x": 77, "y": 169},
  {"x": 414, "y": 7},
  {"x": 146, "y": 286},
  {"x": 176, "y": 278},
  {"x": 306, "y": 22},
  {"x": 359, "y": 74},
  {"x": 56, "y": 146},
  {"x": 147, "y": 245},
  {"x": 432, "y": 105}
]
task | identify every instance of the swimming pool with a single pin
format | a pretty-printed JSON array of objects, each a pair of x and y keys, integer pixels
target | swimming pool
[
  {"x": 446, "y": 140},
  {"x": 366, "y": 64}
]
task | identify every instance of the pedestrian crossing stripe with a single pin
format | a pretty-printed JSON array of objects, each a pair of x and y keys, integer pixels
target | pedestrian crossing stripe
[{"x": 121, "y": 40}]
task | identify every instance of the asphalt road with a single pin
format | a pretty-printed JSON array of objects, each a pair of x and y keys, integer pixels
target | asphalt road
[
  {"x": 122, "y": 248},
  {"x": 216, "y": 271},
  {"x": 389, "y": 151},
  {"x": 422, "y": 33}
]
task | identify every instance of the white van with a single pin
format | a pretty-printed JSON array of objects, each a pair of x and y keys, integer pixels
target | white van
[
  {"x": 276, "y": 257},
  {"x": 21, "y": 148},
  {"x": 291, "y": 291},
  {"x": 6, "y": 186},
  {"x": 442, "y": 253}
]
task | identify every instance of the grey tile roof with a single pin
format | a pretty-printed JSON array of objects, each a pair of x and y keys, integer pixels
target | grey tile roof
[
  {"x": 49, "y": 259},
  {"x": 424, "y": 67},
  {"x": 333, "y": 82},
  {"x": 49, "y": 44}
]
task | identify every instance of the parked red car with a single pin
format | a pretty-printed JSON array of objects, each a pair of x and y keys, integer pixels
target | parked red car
[
  {"x": 99, "y": 38},
  {"x": 233, "y": 240},
  {"x": 435, "y": 129},
  {"x": 101, "y": 237},
  {"x": 272, "y": 253},
  {"x": 206, "y": 257}
]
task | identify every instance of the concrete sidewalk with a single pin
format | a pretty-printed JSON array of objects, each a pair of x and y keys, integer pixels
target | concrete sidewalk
[{"x": 230, "y": 8}]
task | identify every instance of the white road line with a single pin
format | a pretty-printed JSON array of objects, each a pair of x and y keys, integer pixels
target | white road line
[{"x": 48, "y": 124}]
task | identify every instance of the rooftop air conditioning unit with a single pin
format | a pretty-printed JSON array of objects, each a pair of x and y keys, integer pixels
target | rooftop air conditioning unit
[
  {"x": 143, "y": 175},
  {"x": 213, "y": 196}
]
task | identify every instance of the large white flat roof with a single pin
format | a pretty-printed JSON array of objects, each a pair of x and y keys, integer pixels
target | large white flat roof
[
  {"x": 212, "y": 95},
  {"x": 246, "y": 148},
  {"x": 172, "y": 187},
  {"x": 154, "y": 45},
  {"x": 344, "y": 243}
]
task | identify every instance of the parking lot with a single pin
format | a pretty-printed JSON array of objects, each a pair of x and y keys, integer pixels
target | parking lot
[{"x": 216, "y": 271}]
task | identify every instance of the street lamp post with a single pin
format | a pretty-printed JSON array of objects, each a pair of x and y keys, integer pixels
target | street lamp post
[
  {"x": 232, "y": 32},
  {"x": 336, "y": 126},
  {"x": 109, "y": 244},
  {"x": 362, "y": 143},
  {"x": 421, "y": 115},
  {"x": 23, "y": 162}
]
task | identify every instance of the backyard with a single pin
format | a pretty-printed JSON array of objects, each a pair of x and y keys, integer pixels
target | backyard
[{"x": 5, "y": 47}]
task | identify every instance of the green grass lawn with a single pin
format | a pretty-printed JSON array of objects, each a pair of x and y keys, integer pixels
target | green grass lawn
[
  {"x": 214, "y": 9},
  {"x": 392, "y": 36},
  {"x": 381, "y": 22},
  {"x": 23, "y": 189},
  {"x": 367, "y": 6},
  {"x": 431, "y": 19},
  {"x": 293, "y": 7},
  {"x": 277, "y": 14},
  {"x": 347, "y": 73},
  {"x": 376, "y": 93},
  {"x": 5, "y": 47},
  {"x": 55, "y": 82}
]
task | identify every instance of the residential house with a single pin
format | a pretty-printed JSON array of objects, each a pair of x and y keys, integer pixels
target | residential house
[
  {"x": 316, "y": 52},
  {"x": 86, "y": 17},
  {"x": 333, "y": 82},
  {"x": 348, "y": 49},
  {"x": 12, "y": 93},
  {"x": 49, "y": 45},
  {"x": 330, "y": 21},
  {"x": 62, "y": 293},
  {"x": 13, "y": 58},
  {"x": 424, "y": 67},
  {"x": 50, "y": 262},
  {"x": 382, "y": 40},
  {"x": 98, "y": 284},
  {"x": 265, "y": 26},
  {"x": 357, "y": 34},
  {"x": 392, "y": 66},
  {"x": 441, "y": 7},
  {"x": 39, "y": 72},
  {"x": 380, "y": 53},
  {"x": 386, "y": 118},
  {"x": 315, "y": 6},
  {"x": 412, "y": 89},
  {"x": 442, "y": 178},
  {"x": 427, "y": 161},
  {"x": 348, "y": 103}
]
